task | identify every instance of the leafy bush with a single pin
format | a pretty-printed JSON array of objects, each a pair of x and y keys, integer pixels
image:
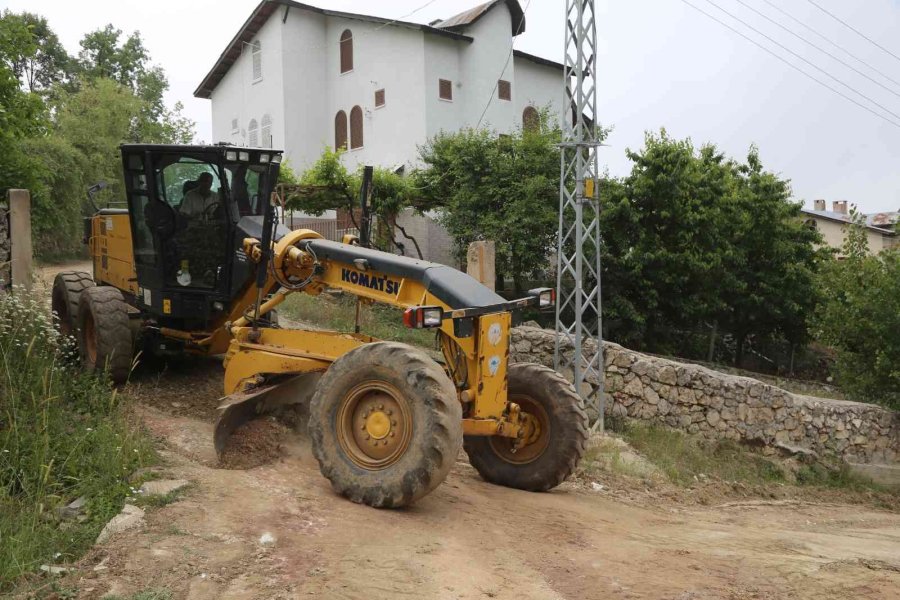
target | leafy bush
[
  {"x": 860, "y": 317},
  {"x": 63, "y": 435}
]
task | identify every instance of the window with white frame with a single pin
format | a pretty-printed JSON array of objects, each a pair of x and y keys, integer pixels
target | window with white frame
[
  {"x": 253, "y": 134},
  {"x": 266, "y": 131},
  {"x": 256, "y": 54}
]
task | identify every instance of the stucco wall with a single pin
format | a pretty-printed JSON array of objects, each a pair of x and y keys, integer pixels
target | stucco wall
[
  {"x": 834, "y": 234},
  {"x": 434, "y": 241},
  {"x": 536, "y": 85},
  {"x": 442, "y": 58},
  {"x": 304, "y": 69},
  {"x": 717, "y": 405},
  {"x": 238, "y": 97},
  {"x": 302, "y": 88},
  {"x": 481, "y": 65},
  {"x": 392, "y": 58}
]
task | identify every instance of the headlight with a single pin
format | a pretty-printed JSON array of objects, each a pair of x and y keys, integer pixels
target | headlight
[
  {"x": 231, "y": 155},
  {"x": 264, "y": 158},
  {"x": 244, "y": 156},
  {"x": 423, "y": 317},
  {"x": 546, "y": 296},
  {"x": 276, "y": 159}
]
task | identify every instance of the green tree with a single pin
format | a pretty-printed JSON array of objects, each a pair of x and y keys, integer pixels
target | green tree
[
  {"x": 22, "y": 114},
  {"x": 860, "y": 317},
  {"x": 329, "y": 185},
  {"x": 39, "y": 61},
  {"x": 693, "y": 241},
  {"x": 501, "y": 188},
  {"x": 772, "y": 262},
  {"x": 665, "y": 242},
  {"x": 105, "y": 55}
]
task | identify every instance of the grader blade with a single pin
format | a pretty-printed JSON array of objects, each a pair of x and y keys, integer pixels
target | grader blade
[{"x": 243, "y": 407}]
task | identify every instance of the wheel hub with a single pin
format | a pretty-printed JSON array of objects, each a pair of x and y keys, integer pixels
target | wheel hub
[
  {"x": 534, "y": 435},
  {"x": 374, "y": 425},
  {"x": 378, "y": 425}
]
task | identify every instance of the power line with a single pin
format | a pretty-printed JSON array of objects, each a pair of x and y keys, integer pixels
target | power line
[
  {"x": 853, "y": 29},
  {"x": 819, "y": 48},
  {"x": 830, "y": 41},
  {"x": 812, "y": 64},
  {"x": 792, "y": 65},
  {"x": 512, "y": 48}
]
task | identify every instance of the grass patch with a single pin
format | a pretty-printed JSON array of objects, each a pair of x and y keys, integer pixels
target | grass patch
[
  {"x": 63, "y": 435},
  {"x": 160, "y": 500},
  {"x": 684, "y": 458},
  {"x": 339, "y": 314}
]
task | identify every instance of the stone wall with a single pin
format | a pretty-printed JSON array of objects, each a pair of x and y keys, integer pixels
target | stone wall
[
  {"x": 5, "y": 247},
  {"x": 699, "y": 400}
]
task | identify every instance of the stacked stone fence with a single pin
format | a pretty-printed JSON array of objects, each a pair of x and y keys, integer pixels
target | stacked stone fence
[
  {"x": 699, "y": 400},
  {"x": 5, "y": 246}
]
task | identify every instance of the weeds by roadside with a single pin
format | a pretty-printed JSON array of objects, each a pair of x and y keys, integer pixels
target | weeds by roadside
[
  {"x": 639, "y": 457},
  {"x": 63, "y": 436}
]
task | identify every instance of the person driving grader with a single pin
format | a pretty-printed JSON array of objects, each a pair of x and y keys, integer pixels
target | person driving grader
[{"x": 386, "y": 420}]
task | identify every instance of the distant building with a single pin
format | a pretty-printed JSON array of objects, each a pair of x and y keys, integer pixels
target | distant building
[
  {"x": 299, "y": 77},
  {"x": 881, "y": 228}
]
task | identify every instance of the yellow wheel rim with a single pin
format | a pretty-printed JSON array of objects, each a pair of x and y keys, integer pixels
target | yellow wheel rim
[
  {"x": 374, "y": 425},
  {"x": 535, "y": 434}
]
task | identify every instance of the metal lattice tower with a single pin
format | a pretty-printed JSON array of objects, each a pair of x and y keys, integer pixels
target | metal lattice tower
[{"x": 578, "y": 314}]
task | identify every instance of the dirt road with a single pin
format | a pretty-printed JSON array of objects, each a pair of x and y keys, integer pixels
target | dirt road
[{"x": 467, "y": 540}]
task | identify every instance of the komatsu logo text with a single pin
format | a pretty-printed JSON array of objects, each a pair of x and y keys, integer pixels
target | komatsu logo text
[{"x": 373, "y": 282}]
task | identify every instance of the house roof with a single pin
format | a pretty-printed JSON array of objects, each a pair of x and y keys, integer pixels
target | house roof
[
  {"x": 469, "y": 17},
  {"x": 539, "y": 60},
  {"x": 264, "y": 10},
  {"x": 881, "y": 222}
]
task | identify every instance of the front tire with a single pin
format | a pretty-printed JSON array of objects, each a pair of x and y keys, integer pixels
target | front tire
[
  {"x": 67, "y": 289},
  {"x": 386, "y": 424},
  {"x": 555, "y": 445},
  {"x": 104, "y": 336}
]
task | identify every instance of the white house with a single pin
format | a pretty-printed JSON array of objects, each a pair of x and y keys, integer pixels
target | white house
[
  {"x": 881, "y": 228},
  {"x": 299, "y": 77}
]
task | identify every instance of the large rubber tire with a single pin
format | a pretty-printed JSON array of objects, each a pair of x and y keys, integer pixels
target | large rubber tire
[
  {"x": 104, "y": 337},
  {"x": 427, "y": 409},
  {"x": 67, "y": 288},
  {"x": 553, "y": 456}
]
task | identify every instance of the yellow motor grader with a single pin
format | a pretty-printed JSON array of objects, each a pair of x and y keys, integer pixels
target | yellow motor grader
[{"x": 196, "y": 264}]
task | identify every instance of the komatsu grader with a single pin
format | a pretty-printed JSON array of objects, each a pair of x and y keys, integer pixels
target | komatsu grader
[{"x": 196, "y": 263}]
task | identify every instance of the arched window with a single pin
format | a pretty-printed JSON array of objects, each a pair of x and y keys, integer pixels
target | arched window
[
  {"x": 340, "y": 130},
  {"x": 257, "y": 60},
  {"x": 356, "y": 128},
  {"x": 346, "y": 51},
  {"x": 531, "y": 120},
  {"x": 266, "y": 131},
  {"x": 253, "y": 134}
]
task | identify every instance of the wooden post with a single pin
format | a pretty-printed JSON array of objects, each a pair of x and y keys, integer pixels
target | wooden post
[
  {"x": 20, "y": 234},
  {"x": 480, "y": 262}
]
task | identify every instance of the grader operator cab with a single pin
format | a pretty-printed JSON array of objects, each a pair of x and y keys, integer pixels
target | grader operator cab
[{"x": 197, "y": 263}]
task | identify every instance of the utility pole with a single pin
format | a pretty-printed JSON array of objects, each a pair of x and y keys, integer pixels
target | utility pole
[{"x": 578, "y": 315}]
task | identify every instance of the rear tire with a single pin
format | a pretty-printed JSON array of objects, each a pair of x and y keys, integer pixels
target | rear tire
[
  {"x": 67, "y": 288},
  {"x": 554, "y": 453},
  {"x": 386, "y": 424},
  {"x": 104, "y": 336}
]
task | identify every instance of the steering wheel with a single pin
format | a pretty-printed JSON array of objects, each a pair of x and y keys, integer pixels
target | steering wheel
[{"x": 210, "y": 211}]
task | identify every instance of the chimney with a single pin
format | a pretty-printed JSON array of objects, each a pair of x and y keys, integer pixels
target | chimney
[
  {"x": 839, "y": 206},
  {"x": 819, "y": 204}
]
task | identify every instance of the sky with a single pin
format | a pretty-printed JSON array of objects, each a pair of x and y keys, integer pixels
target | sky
[{"x": 661, "y": 63}]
